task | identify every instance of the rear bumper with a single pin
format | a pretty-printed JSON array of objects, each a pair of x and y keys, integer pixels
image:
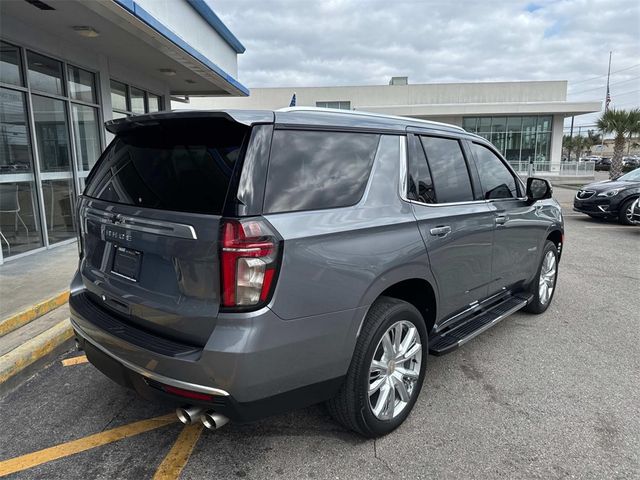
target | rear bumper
[
  {"x": 148, "y": 386},
  {"x": 249, "y": 360}
]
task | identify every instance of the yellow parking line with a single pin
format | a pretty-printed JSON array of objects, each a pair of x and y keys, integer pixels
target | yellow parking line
[
  {"x": 177, "y": 458},
  {"x": 30, "y": 460},
  {"x": 74, "y": 360}
]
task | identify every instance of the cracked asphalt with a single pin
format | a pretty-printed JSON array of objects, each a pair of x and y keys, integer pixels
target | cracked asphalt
[{"x": 549, "y": 396}]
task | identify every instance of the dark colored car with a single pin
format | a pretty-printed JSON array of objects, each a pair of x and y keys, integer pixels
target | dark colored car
[
  {"x": 238, "y": 264},
  {"x": 610, "y": 198},
  {"x": 604, "y": 164},
  {"x": 630, "y": 163}
]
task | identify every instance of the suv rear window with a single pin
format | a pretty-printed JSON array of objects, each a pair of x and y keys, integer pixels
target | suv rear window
[
  {"x": 316, "y": 170},
  {"x": 181, "y": 165}
]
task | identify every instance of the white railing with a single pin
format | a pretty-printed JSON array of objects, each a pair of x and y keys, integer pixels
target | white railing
[{"x": 576, "y": 169}]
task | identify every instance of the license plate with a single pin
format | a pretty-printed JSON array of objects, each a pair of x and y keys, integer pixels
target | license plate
[{"x": 126, "y": 263}]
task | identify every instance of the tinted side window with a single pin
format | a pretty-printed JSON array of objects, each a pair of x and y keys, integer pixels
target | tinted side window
[
  {"x": 315, "y": 170},
  {"x": 420, "y": 186},
  {"x": 497, "y": 181},
  {"x": 449, "y": 169}
]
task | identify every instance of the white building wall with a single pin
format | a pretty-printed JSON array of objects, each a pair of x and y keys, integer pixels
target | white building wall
[
  {"x": 362, "y": 97},
  {"x": 185, "y": 22}
]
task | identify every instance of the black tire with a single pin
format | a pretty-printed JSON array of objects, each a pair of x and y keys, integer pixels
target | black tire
[
  {"x": 624, "y": 208},
  {"x": 536, "y": 305},
  {"x": 351, "y": 405}
]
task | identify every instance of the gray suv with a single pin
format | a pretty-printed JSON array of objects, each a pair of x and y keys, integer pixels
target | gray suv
[{"x": 238, "y": 264}]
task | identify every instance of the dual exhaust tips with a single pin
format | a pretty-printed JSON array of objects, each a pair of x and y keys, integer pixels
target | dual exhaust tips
[{"x": 209, "y": 418}]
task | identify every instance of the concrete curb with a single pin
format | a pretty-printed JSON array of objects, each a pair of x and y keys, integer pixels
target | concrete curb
[
  {"x": 19, "y": 319},
  {"x": 33, "y": 350}
]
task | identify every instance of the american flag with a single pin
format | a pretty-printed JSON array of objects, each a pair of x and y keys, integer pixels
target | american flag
[
  {"x": 607, "y": 100},
  {"x": 292, "y": 103}
]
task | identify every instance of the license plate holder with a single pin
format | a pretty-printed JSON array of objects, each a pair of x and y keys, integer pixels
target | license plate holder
[{"x": 126, "y": 263}]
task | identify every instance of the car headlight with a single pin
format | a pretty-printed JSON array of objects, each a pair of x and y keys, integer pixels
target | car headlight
[{"x": 610, "y": 193}]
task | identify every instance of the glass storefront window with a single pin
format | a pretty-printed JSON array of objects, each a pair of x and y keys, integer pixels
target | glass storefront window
[
  {"x": 518, "y": 138},
  {"x": 58, "y": 205},
  {"x": 469, "y": 124},
  {"x": 118, "y": 96},
  {"x": 543, "y": 147},
  {"x": 137, "y": 100},
  {"x": 514, "y": 138},
  {"x": 10, "y": 71},
  {"x": 45, "y": 74},
  {"x": 544, "y": 124},
  {"x": 87, "y": 135},
  {"x": 81, "y": 85},
  {"x": 19, "y": 220},
  {"x": 154, "y": 103},
  {"x": 52, "y": 134}
]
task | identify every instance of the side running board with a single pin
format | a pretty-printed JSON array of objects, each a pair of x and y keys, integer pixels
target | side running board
[{"x": 451, "y": 339}]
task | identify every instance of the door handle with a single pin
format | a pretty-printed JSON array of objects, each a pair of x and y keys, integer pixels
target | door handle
[
  {"x": 440, "y": 231},
  {"x": 501, "y": 219}
]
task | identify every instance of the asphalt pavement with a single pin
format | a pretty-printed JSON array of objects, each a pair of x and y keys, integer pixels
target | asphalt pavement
[{"x": 547, "y": 396}]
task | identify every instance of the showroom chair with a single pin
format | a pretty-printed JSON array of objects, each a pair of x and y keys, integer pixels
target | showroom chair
[{"x": 9, "y": 203}]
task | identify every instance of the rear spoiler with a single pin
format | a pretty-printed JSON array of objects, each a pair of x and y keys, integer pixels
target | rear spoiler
[{"x": 244, "y": 117}]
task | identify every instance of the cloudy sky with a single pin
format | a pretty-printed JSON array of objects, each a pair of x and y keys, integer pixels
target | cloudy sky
[{"x": 351, "y": 42}]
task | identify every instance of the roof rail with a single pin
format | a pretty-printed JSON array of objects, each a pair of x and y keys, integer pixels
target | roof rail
[{"x": 366, "y": 114}]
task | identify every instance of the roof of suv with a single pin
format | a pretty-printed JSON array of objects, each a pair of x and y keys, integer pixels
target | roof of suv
[{"x": 293, "y": 116}]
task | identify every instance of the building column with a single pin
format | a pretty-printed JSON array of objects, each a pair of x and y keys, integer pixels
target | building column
[{"x": 557, "y": 131}]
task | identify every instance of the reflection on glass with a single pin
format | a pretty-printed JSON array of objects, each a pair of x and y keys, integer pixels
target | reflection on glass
[
  {"x": 52, "y": 134},
  {"x": 15, "y": 156},
  {"x": 10, "y": 64},
  {"x": 137, "y": 100},
  {"x": 154, "y": 102},
  {"x": 118, "y": 95},
  {"x": 484, "y": 125},
  {"x": 19, "y": 223},
  {"x": 543, "y": 145},
  {"x": 87, "y": 136},
  {"x": 544, "y": 124},
  {"x": 58, "y": 207},
  {"x": 514, "y": 137},
  {"x": 469, "y": 124},
  {"x": 81, "y": 85},
  {"x": 45, "y": 74},
  {"x": 117, "y": 115}
]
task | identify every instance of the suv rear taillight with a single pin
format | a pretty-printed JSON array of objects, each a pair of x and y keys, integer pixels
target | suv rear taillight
[{"x": 249, "y": 260}]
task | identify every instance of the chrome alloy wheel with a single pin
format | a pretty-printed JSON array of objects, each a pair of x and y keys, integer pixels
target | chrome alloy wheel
[
  {"x": 547, "y": 278},
  {"x": 394, "y": 370},
  {"x": 629, "y": 212}
]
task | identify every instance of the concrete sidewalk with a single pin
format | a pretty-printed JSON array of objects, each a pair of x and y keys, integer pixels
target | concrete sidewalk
[
  {"x": 32, "y": 279},
  {"x": 34, "y": 317}
]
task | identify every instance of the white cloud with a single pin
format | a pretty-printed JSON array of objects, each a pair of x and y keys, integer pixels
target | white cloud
[{"x": 341, "y": 42}]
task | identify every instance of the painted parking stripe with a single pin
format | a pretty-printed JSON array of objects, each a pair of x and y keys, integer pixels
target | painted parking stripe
[
  {"x": 74, "y": 360},
  {"x": 178, "y": 456},
  {"x": 30, "y": 460}
]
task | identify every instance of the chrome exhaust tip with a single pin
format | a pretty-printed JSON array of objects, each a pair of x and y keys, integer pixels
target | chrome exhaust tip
[
  {"x": 189, "y": 414},
  {"x": 213, "y": 420}
]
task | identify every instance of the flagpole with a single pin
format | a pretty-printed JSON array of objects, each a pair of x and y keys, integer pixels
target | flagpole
[{"x": 607, "y": 99}]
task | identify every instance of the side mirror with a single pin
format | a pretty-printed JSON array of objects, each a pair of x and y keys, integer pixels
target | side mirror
[{"x": 538, "y": 189}]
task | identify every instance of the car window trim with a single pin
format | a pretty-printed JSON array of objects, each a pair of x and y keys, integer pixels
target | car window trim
[
  {"x": 459, "y": 141},
  {"x": 519, "y": 183},
  {"x": 404, "y": 177}
]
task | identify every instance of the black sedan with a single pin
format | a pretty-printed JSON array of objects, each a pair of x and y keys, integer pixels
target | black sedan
[{"x": 610, "y": 198}]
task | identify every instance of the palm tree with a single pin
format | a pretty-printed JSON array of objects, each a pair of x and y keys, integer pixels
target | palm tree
[{"x": 620, "y": 123}]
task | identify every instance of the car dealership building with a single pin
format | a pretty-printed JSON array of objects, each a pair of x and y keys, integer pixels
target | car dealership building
[
  {"x": 66, "y": 67},
  {"x": 524, "y": 120}
]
